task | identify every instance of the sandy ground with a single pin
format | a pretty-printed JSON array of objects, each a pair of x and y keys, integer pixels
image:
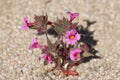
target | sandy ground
[{"x": 17, "y": 62}]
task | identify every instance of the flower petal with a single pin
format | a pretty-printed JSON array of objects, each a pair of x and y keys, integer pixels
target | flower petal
[
  {"x": 25, "y": 26},
  {"x": 72, "y": 15},
  {"x": 74, "y": 52},
  {"x": 68, "y": 41},
  {"x": 73, "y": 41},
  {"x": 47, "y": 57},
  {"x": 77, "y": 36},
  {"x": 73, "y": 31},
  {"x": 42, "y": 46},
  {"x": 34, "y": 43},
  {"x": 68, "y": 34},
  {"x": 69, "y": 37}
]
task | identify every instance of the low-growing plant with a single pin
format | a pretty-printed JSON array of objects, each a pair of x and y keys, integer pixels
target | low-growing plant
[{"x": 69, "y": 48}]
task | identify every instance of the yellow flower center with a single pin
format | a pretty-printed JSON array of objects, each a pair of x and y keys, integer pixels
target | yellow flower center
[{"x": 72, "y": 37}]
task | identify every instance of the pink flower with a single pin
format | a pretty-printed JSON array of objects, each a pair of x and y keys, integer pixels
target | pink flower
[
  {"x": 47, "y": 57},
  {"x": 25, "y": 24},
  {"x": 35, "y": 44},
  {"x": 75, "y": 54},
  {"x": 72, "y": 15},
  {"x": 72, "y": 37}
]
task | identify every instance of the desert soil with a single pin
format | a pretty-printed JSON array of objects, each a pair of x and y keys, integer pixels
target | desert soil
[{"x": 17, "y": 62}]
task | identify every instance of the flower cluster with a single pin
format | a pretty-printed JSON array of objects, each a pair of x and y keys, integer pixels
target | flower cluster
[{"x": 67, "y": 49}]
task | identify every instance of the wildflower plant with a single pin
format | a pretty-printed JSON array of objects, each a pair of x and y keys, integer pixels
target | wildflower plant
[{"x": 68, "y": 50}]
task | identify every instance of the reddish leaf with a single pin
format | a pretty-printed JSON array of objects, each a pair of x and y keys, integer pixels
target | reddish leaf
[
  {"x": 31, "y": 24},
  {"x": 73, "y": 73},
  {"x": 65, "y": 72},
  {"x": 50, "y": 23},
  {"x": 69, "y": 72}
]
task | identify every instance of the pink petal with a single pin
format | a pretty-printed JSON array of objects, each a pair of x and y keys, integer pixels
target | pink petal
[
  {"x": 73, "y": 42},
  {"x": 42, "y": 46},
  {"x": 68, "y": 41},
  {"x": 47, "y": 57},
  {"x": 25, "y": 26},
  {"x": 50, "y": 61},
  {"x": 72, "y": 57},
  {"x": 73, "y": 52},
  {"x": 77, "y": 36},
  {"x": 78, "y": 50},
  {"x": 68, "y": 34},
  {"x": 73, "y": 31},
  {"x": 26, "y": 19},
  {"x": 44, "y": 56},
  {"x": 34, "y": 43},
  {"x": 72, "y": 15}
]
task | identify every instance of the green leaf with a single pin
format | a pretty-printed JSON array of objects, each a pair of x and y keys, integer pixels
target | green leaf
[
  {"x": 66, "y": 23},
  {"x": 52, "y": 46},
  {"x": 58, "y": 28},
  {"x": 61, "y": 24},
  {"x": 49, "y": 43}
]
